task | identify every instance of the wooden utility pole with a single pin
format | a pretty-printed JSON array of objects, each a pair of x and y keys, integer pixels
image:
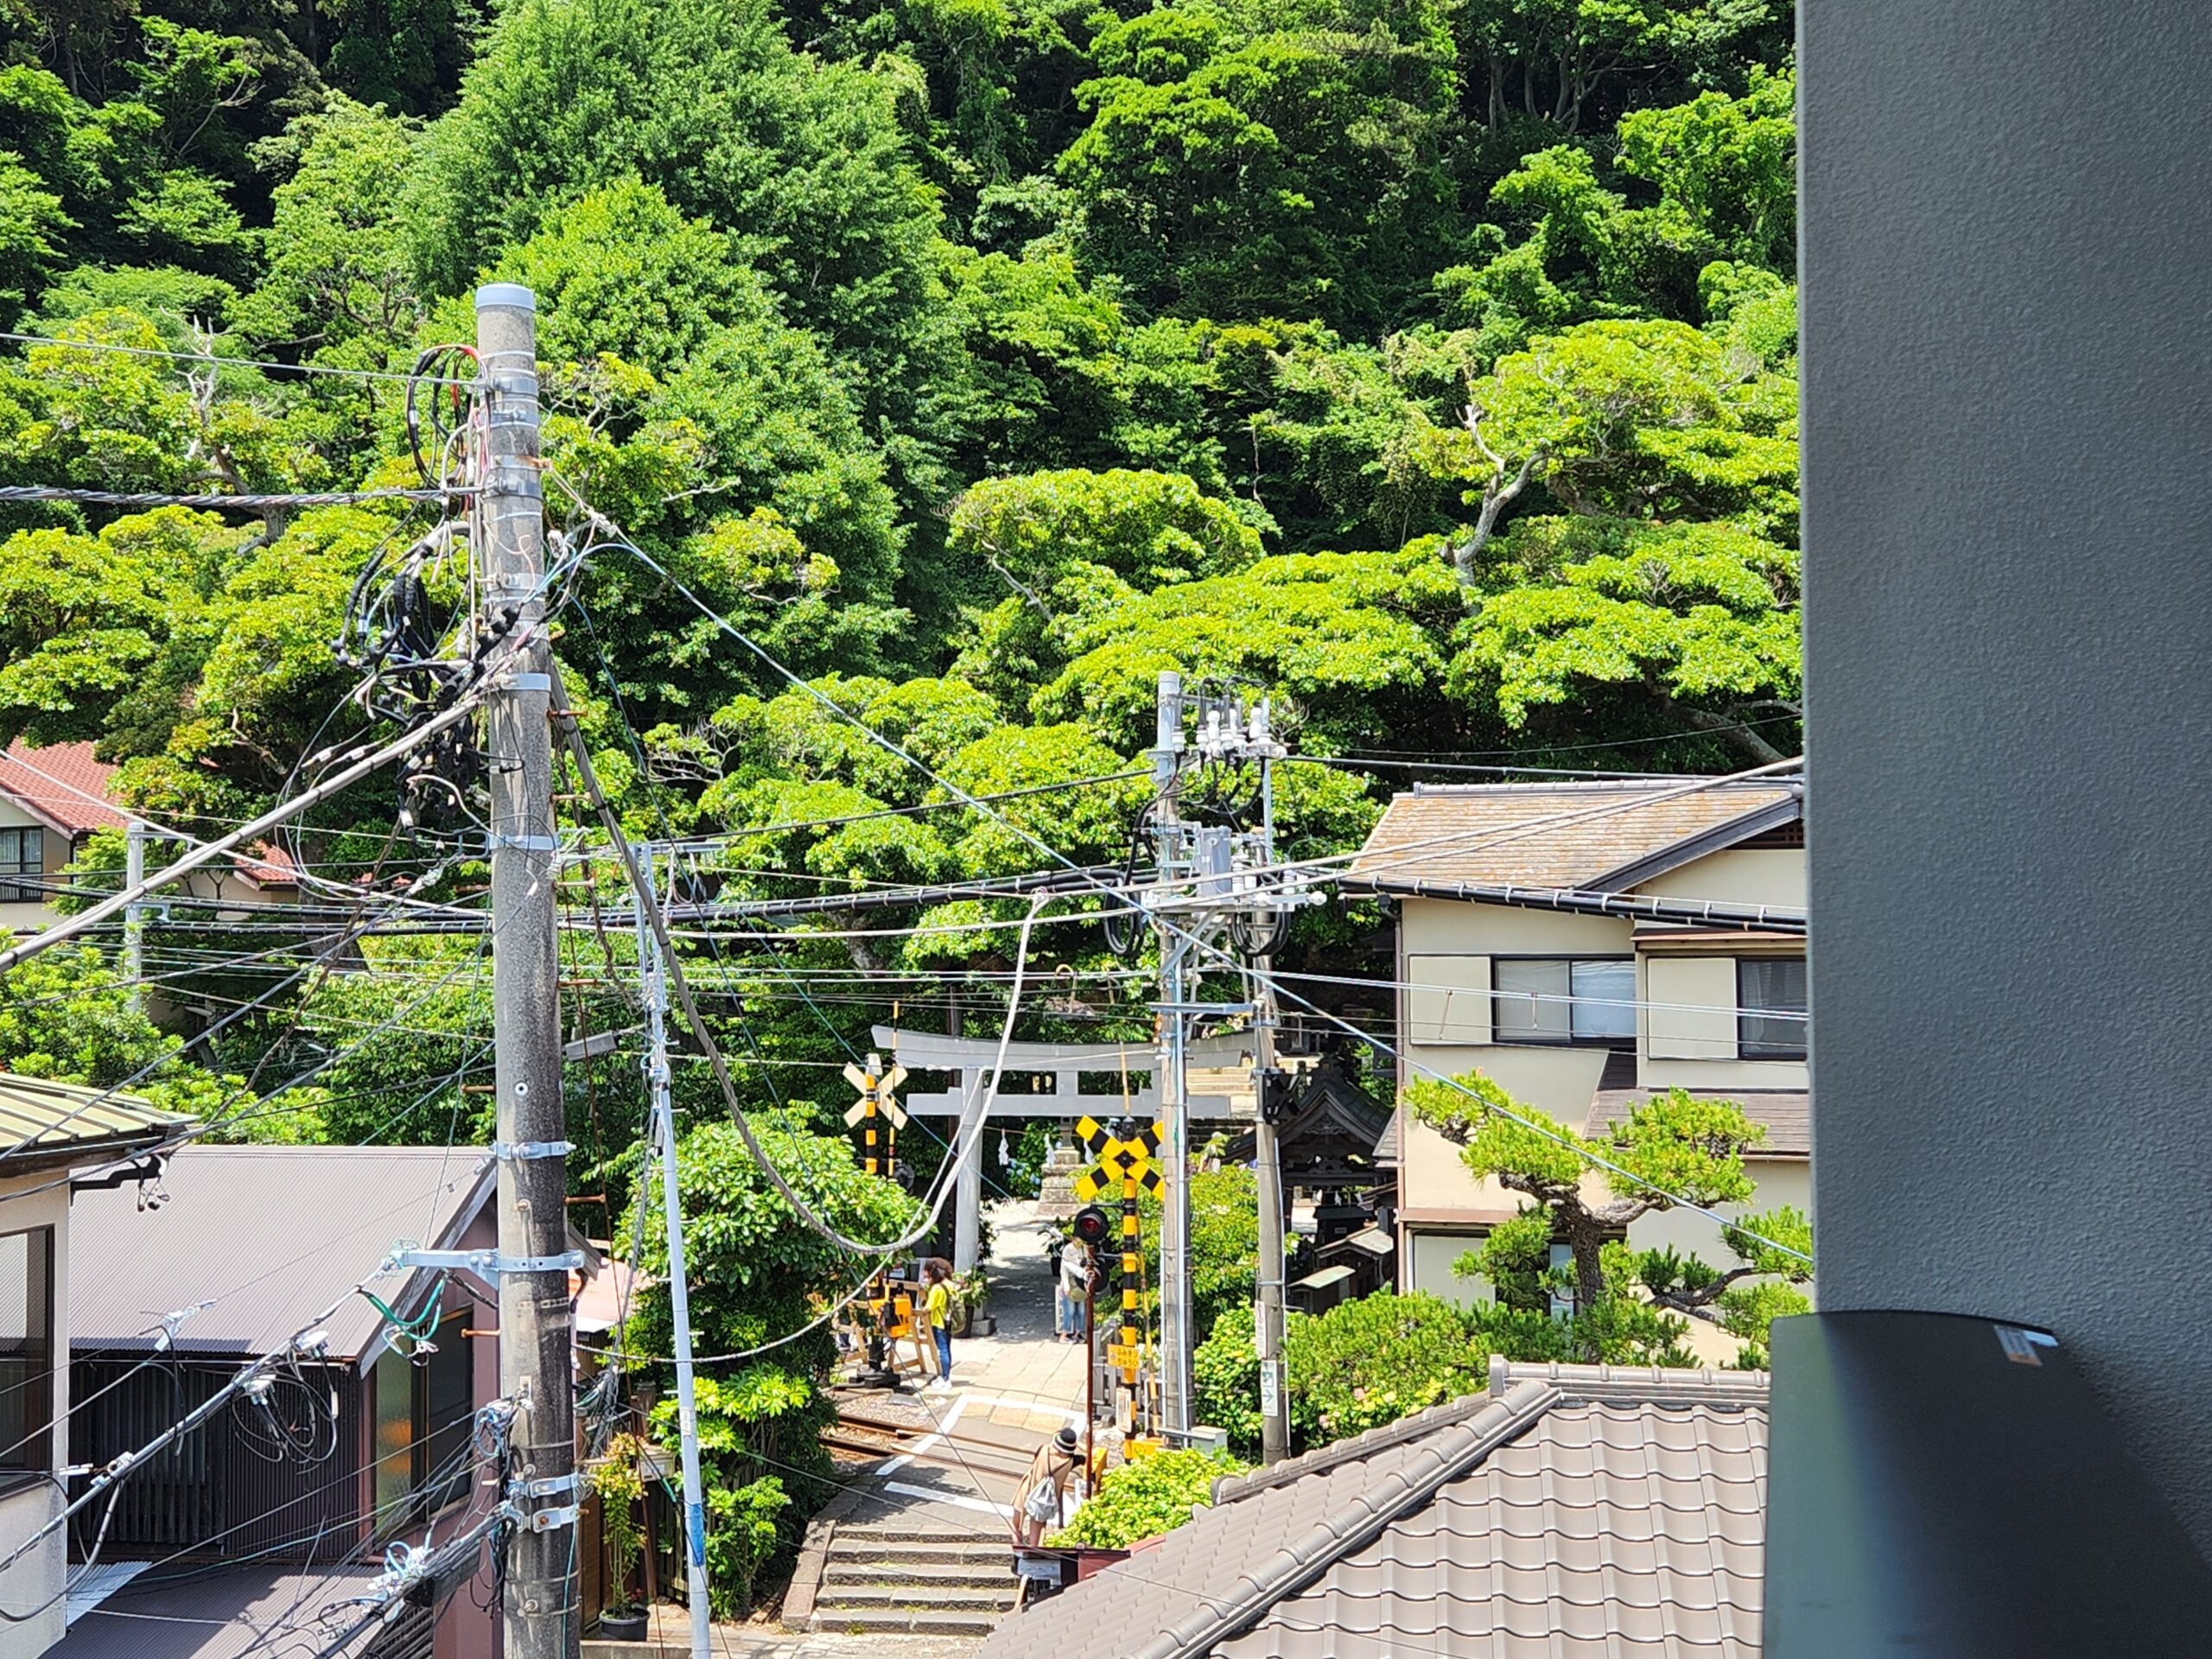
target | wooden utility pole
[{"x": 536, "y": 1335}]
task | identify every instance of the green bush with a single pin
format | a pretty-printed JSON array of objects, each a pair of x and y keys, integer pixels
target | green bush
[
  {"x": 1361, "y": 1364},
  {"x": 1145, "y": 1498},
  {"x": 1225, "y": 1380},
  {"x": 1374, "y": 1360}
]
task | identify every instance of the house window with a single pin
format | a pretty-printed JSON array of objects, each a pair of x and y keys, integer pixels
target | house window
[
  {"x": 1770, "y": 1008},
  {"x": 23, "y": 854},
  {"x": 1562, "y": 1260},
  {"x": 425, "y": 1409},
  {"x": 26, "y": 1352},
  {"x": 1557, "y": 1000}
]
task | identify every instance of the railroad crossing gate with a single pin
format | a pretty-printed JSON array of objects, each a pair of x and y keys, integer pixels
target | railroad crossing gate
[
  {"x": 875, "y": 1085},
  {"x": 1115, "y": 1159}
]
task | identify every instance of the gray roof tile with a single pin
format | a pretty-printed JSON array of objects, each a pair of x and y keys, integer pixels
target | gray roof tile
[
  {"x": 1785, "y": 1114},
  {"x": 1576, "y": 1510}
]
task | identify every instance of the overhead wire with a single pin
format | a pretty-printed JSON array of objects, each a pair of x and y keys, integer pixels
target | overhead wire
[
  {"x": 615, "y": 538},
  {"x": 203, "y": 360}
]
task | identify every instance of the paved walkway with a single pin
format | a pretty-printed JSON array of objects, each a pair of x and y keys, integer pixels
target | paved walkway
[{"x": 1011, "y": 1392}]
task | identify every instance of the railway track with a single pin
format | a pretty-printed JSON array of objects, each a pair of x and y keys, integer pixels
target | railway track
[{"x": 878, "y": 1435}]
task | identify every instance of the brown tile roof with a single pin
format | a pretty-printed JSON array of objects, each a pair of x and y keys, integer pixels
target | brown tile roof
[
  {"x": 1589, "y": 837},
  {"x": 1572, "y": 1510},
  {"x": 1787, "y": 1115},
  {"x": 62, "y": 784}
]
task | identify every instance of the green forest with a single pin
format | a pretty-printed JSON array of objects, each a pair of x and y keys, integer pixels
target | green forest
[{"x": 1428, "y": 365}]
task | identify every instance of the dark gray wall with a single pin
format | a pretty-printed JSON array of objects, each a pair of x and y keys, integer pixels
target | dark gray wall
[{"x": 2007, "y": 352}]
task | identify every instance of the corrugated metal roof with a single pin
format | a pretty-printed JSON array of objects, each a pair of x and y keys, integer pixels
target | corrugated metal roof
[
  {"x": 1561, "y": 1515},
  {"x": 1785, "y": 1114},
  {"x": 274, "y": 1234},
  {"x": 1562, "y": 835},
  {"x": 40, "y": 1118},
  {"x": 190, "y": 1612}
]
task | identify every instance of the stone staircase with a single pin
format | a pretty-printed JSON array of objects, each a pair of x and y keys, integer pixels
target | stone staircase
[{"x": 885, "y": 1578}]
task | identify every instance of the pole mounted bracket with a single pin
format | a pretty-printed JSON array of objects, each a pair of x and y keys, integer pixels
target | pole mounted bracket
[
  {"x": 547, "y": 1520},
  {"x": 544, "y": 1486},
  {"x": 522, "y": 1151},
  {"x": 523, "y": 844},
  {"x": 486, "y": 1265}
]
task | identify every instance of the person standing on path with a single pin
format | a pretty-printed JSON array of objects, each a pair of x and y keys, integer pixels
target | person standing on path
[
  {"x": 1074, "y": 1282},
  {"x": 937, "y": 1313}
]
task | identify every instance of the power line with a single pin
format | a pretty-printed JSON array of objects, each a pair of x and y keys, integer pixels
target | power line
[
  {"x": 1565, "y": 1142},
  {"x": 158, "y": 498},
  {"x": 204, "y": 359}
]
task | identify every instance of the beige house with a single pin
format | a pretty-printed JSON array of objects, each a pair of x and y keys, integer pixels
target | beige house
[
  {"x": 49, "y": 1129},
  {"x": 54, "y": 797},
  {"x": 1584, "y": 945}
]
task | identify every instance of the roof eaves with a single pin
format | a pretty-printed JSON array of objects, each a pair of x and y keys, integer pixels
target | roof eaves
[
  {"x": 1450, "y": 1454},
  {"x": 1229, "y": 1489},
  {"x": 1721, "y": 837},
  {"x": 1631, "y": 1385}
]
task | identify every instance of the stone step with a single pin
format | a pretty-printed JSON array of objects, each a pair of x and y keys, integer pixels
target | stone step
[
  {"x": 977, "y": 1575},
  {"x": 872, "y": 1621},
  {"x": 887, "y": 1548},
  {"x": 915, "y": 1598}
]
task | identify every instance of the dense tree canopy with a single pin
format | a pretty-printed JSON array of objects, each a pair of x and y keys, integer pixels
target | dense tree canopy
[{"x": 946, "y": 368}]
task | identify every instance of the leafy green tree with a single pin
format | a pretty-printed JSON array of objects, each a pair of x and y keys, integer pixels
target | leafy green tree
[
  {"x": 803, "y": 163},
  {"x": 758, "y": 1273},
  {"x": 1675, "y": 1148},
  {"x": 1551, "y": 62},
  {"x": 1242, "y": 168},
  {"x": 1689, "y": 185},
  {"x": 1339, "y": 637}
]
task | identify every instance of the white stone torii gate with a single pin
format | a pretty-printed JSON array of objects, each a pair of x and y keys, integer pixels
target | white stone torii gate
[{"x": 970, "y": 1059}]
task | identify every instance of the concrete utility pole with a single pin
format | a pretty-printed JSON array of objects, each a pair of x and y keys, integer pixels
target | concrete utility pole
[
  {"x": 134, "y": 918},
  {"x": 1176, "y": 1339},
  {"x": 679, "y": 1294},
  {"x": 1274, "y": 1399},
  {"x": 536, "y": 1337}
]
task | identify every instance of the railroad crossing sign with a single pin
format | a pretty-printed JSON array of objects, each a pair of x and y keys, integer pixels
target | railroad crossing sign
[
  {"x": 875, "y": 1085},
  {"x": 1118, "y": 1160}
]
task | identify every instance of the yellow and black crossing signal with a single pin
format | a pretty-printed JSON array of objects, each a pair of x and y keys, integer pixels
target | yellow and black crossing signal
[
  {"x": 876, "y": 1100},
  {"x": 1117, "y": 1160}
]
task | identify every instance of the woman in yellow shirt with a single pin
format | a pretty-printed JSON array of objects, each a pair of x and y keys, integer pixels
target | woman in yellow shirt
[{"x": 937, "y": 1313}]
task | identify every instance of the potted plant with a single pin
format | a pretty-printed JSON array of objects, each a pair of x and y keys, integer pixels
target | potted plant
[
  {"x": 970, "y": 1291},
  {"x": 621, "y": 1489}
]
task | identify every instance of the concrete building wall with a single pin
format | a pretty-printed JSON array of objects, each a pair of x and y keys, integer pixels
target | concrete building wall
[
  {"x": 1739, "y": 875},
  {"x": 29, "y": 917},
  {"x": 41, "y": 1573},
  {"x": 2007, "y": 345}
]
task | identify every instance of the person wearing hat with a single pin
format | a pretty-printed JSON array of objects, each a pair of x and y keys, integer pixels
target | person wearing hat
[{"x": 1040, "y": 1503}]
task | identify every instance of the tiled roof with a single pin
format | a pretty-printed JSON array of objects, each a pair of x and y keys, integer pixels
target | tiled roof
[
  {"x": 1573, "y": 1511},
  {"x": 1586, "y": 837},
  {"x": 44, "y": 1122},
  {"x": 62, "y": 784},
  {"x": 274, "y": 1234},
  {"x": 1787, "y": 1115}
]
